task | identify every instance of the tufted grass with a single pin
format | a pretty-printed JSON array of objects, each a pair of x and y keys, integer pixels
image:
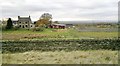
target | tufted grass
[{"x": 62, "y": 57}]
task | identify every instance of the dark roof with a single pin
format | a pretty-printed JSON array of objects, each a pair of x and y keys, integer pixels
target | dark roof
[
  {"x": 15, "y": 21},
  {"x": 24, "y": 18}
]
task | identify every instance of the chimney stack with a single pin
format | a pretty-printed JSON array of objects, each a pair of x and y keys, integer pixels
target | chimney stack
[
  {"x": 18, "y": 17},
  {"x": 29, "y": 16}
]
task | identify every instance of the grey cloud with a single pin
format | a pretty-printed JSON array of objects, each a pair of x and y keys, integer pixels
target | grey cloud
[{"x": 60, "y": 9}]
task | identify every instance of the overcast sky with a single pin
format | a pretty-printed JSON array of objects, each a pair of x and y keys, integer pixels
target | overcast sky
[{"x": 61, "y": 9}]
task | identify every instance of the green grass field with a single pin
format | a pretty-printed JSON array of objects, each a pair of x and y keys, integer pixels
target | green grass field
[{"x": 55, "y": 33}]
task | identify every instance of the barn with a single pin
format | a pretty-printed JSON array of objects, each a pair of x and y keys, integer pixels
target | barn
[{"x": 58, "y": 26}]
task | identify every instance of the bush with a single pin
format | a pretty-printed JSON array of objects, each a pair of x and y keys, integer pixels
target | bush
[
  {"x": 15, "y": 27},
  {"x": 38, "y": 29}
]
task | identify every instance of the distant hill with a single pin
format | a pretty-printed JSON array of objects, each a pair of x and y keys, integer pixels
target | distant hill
[{"x": 83, "y": 22}]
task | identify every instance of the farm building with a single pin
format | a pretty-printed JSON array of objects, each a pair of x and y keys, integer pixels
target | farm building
[
  {"x": 25, "y": 22},
  {"x": 15, "y": 23},
  {"x": 59, "y": 26}
]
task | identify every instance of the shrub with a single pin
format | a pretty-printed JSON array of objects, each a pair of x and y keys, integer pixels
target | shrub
[
  {"x": 38, "y": 29},
  {"x": 15, "y": 27}
]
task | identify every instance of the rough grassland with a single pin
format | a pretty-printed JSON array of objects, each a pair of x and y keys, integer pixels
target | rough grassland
[
  {"x": 55, "y": 33},
  {"x": 59, "y": 57},
  {"x": 62, "y": 57}
]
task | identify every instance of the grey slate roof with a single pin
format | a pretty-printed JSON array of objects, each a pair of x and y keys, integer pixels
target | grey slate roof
[
  {"x": 14, "y": 21},
  {"x": 24, "y": 18}
]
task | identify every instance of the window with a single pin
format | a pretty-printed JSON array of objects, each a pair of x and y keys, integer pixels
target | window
[
  {"x": 19, "y": 22},
  {"x": 26, "y": 26},
  {"x": 20, "y": 26},
  {"x": 31, "y": 25},
  {"x": 26, "y": 22}
]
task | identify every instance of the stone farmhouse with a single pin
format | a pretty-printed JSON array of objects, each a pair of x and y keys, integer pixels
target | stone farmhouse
[{"x": 24, "y": 22}]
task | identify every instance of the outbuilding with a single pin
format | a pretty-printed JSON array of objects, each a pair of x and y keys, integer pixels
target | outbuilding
[{"x": 58, "y": 26}]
